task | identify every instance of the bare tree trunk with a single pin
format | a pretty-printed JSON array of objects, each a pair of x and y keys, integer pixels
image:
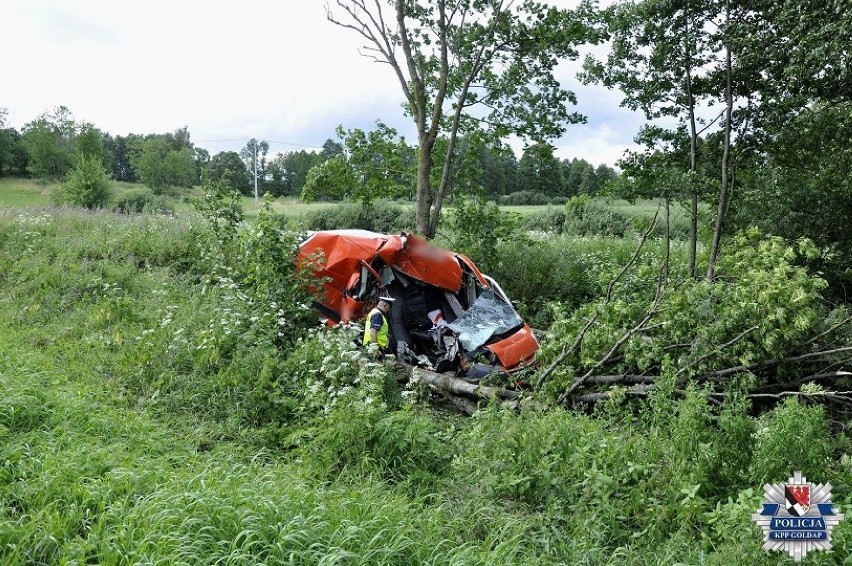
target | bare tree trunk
[
  {"x": 693, "y": 152},
  {"x": 693, "y": 212},
  {"x": 726, "y": 155},
  {"x": 448, "y": 162},
  {"x": 424, "y": 190}
]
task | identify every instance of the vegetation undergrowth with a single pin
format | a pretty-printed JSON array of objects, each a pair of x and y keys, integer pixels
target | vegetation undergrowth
[{"x": 147, "y": 416}]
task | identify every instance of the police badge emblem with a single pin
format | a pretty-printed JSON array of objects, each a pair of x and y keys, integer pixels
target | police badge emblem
[
  {"x": 798, "y": 499},
  {"x": 797, "y": 517}
]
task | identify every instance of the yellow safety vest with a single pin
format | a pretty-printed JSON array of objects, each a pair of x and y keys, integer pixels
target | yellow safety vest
[{"x": 382, "y": 334}]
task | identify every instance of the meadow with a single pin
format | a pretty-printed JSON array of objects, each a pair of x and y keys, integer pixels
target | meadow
[
  {"x": 28, "y": 193},
  {"x": 146, "y": 419}
]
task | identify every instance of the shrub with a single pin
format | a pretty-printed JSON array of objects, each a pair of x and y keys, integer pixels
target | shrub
[
  {"x": 550, "y": 220},
  {"x": 524, "y": 198},
  {"x": 133, "y": 201},
  {"x": 383, "y": 217},
  {"x": 398, "y": 446},
  {"x": 534, "y": 273},
  {"x": 87, "y": 185},
  {"x": 585, "y": 216},
  {"x": 478, "y": 226},
  {"x": 791, "y": 437},
  {"x": 759, "y": 287},
  {"x": 136, "y": 201}
]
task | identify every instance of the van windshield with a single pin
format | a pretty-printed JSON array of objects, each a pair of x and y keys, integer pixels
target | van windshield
[{"x": 488, "y": 316}]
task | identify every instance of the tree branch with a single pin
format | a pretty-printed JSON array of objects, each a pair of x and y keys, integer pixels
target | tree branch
[{"x": 568, "y": 351}]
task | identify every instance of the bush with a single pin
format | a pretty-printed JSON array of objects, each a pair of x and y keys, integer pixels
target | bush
[
  {"x": 524, "y": 198},
  {"x": 383, "y": 217},
  {"x": 585, "y": 216},
  {"x": 550, "y": 220},
  {"x": 87, "y": 185},
  {"x": 133, "y": 201},
  {"x": 759, "y": 286},
  {"x": 398, "y": 446},
  {"x": 136, "y": 201},
  {"x": 477, "y": 226},
  {"x": 535, "y": 273},
  {"x": 781, "y": 447}
]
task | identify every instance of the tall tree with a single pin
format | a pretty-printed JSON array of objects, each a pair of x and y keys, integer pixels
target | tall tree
[
  {"x": 7, "y": 143},
  {"x": 659, "y": 52},
  {"x": 451, "y": 56},
  {"x": 254, "y": 154},
  {"x": 158, "y": 165},
  {"x": 90, "y": 143},
  {"x": 540, "y": 171},
  {"x": 116, "y": 148},
  {"x": 331, "y": 149},
  {"x": 373, "y": 165},
  {"x": 228, "y": 168},
  {"x": 201, "y": 157},
  {"x": 50, "y": 142}
]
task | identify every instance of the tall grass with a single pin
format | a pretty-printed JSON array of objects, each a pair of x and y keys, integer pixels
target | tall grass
[{"x": 125, "y": 440}]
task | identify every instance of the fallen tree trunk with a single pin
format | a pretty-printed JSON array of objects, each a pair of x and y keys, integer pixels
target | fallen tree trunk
[
  {"x": 459, "y": 386},
  {"x": 463, "y": 404}
]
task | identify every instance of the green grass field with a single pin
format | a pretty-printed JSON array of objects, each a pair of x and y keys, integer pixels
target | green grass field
[
  {"x": 28, "y": 193},
  {"x": 23, "y": 193}
]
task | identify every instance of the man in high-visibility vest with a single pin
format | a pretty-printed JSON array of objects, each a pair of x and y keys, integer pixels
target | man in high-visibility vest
[{"x": 376, "y": 327}]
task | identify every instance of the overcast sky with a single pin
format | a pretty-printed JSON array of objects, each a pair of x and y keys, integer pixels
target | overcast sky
[{"x": 274, "y": 70}]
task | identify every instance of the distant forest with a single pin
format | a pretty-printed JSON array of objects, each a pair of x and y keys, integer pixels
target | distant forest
[{"x": 50, "y": 145}]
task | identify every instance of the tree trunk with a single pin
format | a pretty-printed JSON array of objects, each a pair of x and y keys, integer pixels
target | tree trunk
[
  {"x": 726, "y": 155},
  {"x": 693, "y": 152},
  {"x": 448, "y": 159},
  {"x": 693, "y": 212},
  {"x": 424, "y": 189}
]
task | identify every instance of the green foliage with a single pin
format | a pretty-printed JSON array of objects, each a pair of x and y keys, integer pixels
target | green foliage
[
  {"x": 87, "y": 185},
  {"x": 525, "y": 198},
  {"x": 535, "y": 273},
  {"x": 403, "y": 446},
  {"x": 760, "y": 285},
  {"x": 478, "y": 226},
  {"x": 140, "y": 200},
  {"x": 227, "y": 168},
  {"x": 779, "y": 450},
  {"x": 806, "y": 171},
  {"x": 587, "y": 217},
  {"x": 383, "y": 217},
  {"x": 125, "y": 439},
  {"x": 159, "y": 166},
  {"x": 49, "y": 142},
  {"x": 540, "y": 172},
  {"x": 374, "y": 164},
  {"x": 90, "y": 143},
  {"x": 549, "y": 220},
  {"x": 256, "y": 265}
]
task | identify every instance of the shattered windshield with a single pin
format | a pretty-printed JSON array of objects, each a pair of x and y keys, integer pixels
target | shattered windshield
[{"x": 489, "y": 315}]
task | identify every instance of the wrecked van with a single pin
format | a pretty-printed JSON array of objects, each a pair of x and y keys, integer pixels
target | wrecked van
[{"x": 446, "y": 315}]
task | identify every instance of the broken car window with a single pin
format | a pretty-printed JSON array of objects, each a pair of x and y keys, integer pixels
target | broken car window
[{"x": 488, "y": 316}]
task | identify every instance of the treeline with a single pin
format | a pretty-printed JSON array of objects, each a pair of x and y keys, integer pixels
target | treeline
[
  {"x": 52, "y": 144},
  {"x": 380, "y": 164}
]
